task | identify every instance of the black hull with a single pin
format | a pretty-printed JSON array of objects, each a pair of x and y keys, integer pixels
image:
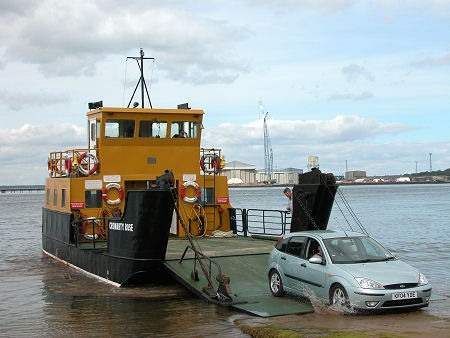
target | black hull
[
  {"x": 129, "y": 256},
  {"x": 313, "y": 199}
]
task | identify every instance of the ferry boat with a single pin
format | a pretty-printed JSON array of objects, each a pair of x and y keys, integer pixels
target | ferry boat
[
  {"x": 109, "y": 208},
  {"x": 143, "y": 177}
]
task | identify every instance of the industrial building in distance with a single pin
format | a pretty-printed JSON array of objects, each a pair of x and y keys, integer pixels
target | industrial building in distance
[{"x": 243, "y": 173}]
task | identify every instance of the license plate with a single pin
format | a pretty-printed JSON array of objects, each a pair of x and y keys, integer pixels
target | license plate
[{"x": 404, "y": 295}]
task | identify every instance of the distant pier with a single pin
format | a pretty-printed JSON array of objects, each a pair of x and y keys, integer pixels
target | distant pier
[{"x": 21, "y": 188}]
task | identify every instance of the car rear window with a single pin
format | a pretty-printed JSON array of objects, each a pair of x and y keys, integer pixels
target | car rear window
[{"x": 296, "y": 246}]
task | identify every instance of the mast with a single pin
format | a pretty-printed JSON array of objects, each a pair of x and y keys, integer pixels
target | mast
[
  {"x": 140, "y": 62},
  {"x": 268, "y": 153}
]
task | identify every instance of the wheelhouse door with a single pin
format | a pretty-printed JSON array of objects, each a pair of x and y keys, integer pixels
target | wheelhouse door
[{"x": 92, "y": 134}]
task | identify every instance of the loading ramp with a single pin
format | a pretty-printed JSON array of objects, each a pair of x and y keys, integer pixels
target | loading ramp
[{"x": 242, "y": 259}]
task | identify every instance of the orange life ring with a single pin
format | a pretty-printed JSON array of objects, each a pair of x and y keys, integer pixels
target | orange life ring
[
  {"x": 213, "y": 166},
  {"x": 98, "y": 230},
  {"x": 183, "y": 192},
  {"x": 84, "y": 171},
  {"x": 105, "y": 193}
]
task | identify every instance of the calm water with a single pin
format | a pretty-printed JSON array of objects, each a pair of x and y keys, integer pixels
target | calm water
[{"x": 42, "y": 297}]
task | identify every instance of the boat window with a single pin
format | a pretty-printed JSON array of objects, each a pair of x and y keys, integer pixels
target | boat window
[
  {"x": 98, "y": 129},
  {"x": 184, "y": 129},
  {"x": 93, "y": 134},
  {"x": 119, "y": 128},
  {"x": 207, "y": 196},
  {"x": 93, "y": 198},
  {"x": 154, "y": 129},
  {"x": 296, "y": 245},
  {"x": 48, "y": 196},
  {"x": 55, "y": 197},
  {"x": 63, "y": 198}
]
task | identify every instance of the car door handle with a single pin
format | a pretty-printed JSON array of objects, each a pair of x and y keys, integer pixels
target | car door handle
[
  {"x": 303, "y": 264},
  {"x": 283, "y": 258}
]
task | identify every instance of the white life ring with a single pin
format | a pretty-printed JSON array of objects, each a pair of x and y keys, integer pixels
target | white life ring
[
  {"x": 105, "y": 193},
  {"x": 87, "y": 171},
  {"x": 183, "y": 193},
  {"x": 67, "y": 167},
  {"x": 97, "y": 225}
]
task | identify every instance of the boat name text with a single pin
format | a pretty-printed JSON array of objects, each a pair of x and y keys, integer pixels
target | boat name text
[{"x": 121, "y": 226}]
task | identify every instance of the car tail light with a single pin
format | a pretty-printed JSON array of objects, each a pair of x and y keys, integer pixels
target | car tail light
[{"x": 281, "y": 238}]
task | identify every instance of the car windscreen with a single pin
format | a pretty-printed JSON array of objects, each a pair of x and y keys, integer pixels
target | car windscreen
[{"x": 348, "y": 250}]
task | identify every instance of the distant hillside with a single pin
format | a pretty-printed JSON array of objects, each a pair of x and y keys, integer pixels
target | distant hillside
[{"x": 445, "y": 172}]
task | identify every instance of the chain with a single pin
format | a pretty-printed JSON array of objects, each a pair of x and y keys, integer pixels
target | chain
[{"x": 306, "y": 211}]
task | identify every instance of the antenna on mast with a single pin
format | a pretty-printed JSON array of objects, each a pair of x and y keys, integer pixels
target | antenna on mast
[{"x": 140, "y": 62}]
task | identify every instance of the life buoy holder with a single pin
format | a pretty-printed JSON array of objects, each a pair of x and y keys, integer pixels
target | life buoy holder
[
  {"x": 183, "y": 191},
  {"x": 211, "y": 166},
  {"x": 67, "y": 165},
  {"x": 97, "y": 226},
  {"x": 105, "y": 193},
  {"x": 85, "y": 171}
]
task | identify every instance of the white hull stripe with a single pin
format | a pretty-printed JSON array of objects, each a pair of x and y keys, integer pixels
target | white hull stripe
[{"x": 80, "y": 269}]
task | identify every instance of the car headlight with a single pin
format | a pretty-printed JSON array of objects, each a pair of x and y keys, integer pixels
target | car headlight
[
  {"x": 366, "y": 283},
  {"x": 422, "y": 280}
]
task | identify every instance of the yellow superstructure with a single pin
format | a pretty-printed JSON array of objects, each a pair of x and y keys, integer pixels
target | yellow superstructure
[{"x": 127, "y": 149}]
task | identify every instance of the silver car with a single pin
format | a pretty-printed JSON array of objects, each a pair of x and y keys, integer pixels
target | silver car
[{"x": 345, "y": 268}]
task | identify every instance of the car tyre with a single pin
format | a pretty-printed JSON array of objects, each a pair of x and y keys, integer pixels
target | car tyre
[
  {"x": 276, "y": 284},
  {"x": 339, "y": 297}
]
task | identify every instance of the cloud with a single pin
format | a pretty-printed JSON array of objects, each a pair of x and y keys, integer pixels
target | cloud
[
  {"x": 17, "y": 101},
  {"x": 324, "y": 6},
  {"x": 24, "y": 151},
  {"x": 70, "y": 38},
  {"x": 433, "y": 62},
  {"x": 353, "y": 72},
  {"x": 343, "y": 138},
  {"x": 363, "y": 96},
  {"x": 338, "y": 129}
]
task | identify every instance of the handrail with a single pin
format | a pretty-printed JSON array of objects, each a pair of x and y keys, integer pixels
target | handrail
[
  {"x": 210, "y": 260},
  {"x": 99, "y": 233},
  {"x": 260, "y": 221},
  {"x": 57, "y": 161}
]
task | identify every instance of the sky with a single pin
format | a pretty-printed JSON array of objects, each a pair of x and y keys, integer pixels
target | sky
[{"x": 365, "y": 83}]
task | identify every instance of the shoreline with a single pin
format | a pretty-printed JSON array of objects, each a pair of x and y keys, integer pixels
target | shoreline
[{"x": 260, "y": 185}]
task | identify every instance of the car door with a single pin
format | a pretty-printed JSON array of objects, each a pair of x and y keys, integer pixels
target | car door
[
  {"x": 314, "y": 275},
  {"x": 290, "y": 262}
]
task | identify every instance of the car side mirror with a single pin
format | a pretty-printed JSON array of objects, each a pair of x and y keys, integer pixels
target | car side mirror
[{"x": 315, "y": 260}]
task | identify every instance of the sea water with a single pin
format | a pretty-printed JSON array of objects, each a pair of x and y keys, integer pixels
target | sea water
[{"x": 41, "y": 297}]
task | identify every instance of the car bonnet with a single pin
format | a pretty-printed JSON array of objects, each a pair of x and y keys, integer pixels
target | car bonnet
[{"x": 385, "y": 273}]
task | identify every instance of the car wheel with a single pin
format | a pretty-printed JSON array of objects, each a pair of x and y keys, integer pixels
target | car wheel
[
  {"x": 276, "y": 284},
  {"x": 338, "y": 296}
]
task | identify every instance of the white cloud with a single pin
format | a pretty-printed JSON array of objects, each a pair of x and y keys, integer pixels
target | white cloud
[
  {"x": 17, "y": 100},
  {"x": 334, "y": 141},
  {"x": 70, "y": 38},
  {"x": 363, "y": 96},
  {"x": 353, "y": 72},
  {"x": 324, "y": 6},
  {"x": 433, "y": 62}
]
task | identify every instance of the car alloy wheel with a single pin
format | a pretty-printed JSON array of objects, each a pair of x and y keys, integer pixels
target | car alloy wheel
[
  {"x": 339, "y": 297},
  {"x": 276, "y": 284}
]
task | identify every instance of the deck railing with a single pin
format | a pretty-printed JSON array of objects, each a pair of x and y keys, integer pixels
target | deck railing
[
  {"x": 247, "y": 222},
  {"x": 60, "y": 163},
  {"x": 91, "y": 233}
]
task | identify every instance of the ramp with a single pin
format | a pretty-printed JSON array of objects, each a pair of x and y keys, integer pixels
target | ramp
[{"x": 248, "y": 281}]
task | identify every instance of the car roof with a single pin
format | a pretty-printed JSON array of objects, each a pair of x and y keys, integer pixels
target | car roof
[{"x": 326, "y": 234}]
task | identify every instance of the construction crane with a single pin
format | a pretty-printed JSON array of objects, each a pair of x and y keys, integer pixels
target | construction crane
[{"x": 268, "y": 153}]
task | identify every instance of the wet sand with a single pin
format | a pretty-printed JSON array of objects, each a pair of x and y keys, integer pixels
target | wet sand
[{"x": 433, "y": 321}]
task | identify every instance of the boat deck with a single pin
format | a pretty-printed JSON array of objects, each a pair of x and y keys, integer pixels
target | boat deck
[{"x": 242, "y": 259}]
